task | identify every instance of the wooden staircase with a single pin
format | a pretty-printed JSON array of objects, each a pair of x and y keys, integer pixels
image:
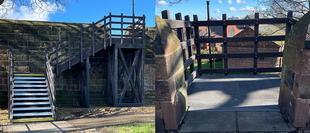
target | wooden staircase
[{"x": 32, "y": 96}]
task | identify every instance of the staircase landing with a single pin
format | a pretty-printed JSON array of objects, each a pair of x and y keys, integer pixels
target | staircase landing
[{"x": 234, "y": 103}]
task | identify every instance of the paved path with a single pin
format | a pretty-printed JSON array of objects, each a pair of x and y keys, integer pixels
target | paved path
[
  {"x": 234, "y": 103},
  {"x": 79, "y": 125}
]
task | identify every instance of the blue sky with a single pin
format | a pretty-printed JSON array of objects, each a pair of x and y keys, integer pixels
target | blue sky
[
  {"x": 81, "y": 11},
  {"x": 237, "y": 8},
  {"x": 85, "y": 11}
]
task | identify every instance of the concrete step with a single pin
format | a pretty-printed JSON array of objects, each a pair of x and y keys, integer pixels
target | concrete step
[
  {"x": 27, "y": 78},
  {"x": 33, "y": 114},
  {"x": 30, "y": 94},
  {"x": 32, "y": 86},
  {"x": 31, "y": 99},
  {"x": 31, "y": 103},
  {"x": 32, "y": 108},
  {"x": 28, "y": 90},
  {"x": 34, "y": 119}
]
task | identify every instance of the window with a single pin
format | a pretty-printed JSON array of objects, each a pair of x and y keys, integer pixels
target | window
[{"x": 231, "y": 32}]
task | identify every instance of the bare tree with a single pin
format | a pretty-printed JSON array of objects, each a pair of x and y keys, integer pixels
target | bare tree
[
  {"x": 279, "y": 8},
  {"x": 9, "y": 5}
]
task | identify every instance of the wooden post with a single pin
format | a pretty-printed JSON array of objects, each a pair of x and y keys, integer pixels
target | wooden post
[
  {"x": 256, "y": 42},
  {"x": 93, "y": 38},
  {"x": 188, "y": 37},
  {"x": 178, "y": 16},
  {"x": 165, "y": 14},
  {"x": 85, "y": 83},
  {"x": 105, "y": 32},
  {"x": 122, "y": 28},
  {"x": 197, "y": 44},
  {"x": 115, "y": 76},
  {"x": 225, "y": 44},
  {"x": 289, "y": 22},
  {"x": 110, "y": 18},
  {"x": 133, "y": 29},
  {"x": 142, "y": 62}
]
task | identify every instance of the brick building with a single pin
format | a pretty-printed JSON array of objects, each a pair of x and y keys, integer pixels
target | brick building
[
  {"x": 217, "y": 31},
  {"x": 248, "y": 47}
]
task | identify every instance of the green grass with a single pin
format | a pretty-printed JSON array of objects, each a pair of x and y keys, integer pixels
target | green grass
[
  {"x": 206, "y": 65},
  {"x": 133, "y": 128}
]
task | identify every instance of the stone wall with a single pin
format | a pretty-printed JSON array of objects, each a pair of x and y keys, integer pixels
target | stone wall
[
  {"x": 171, "y": 94},
  {"x": 294, "y": 99},
  {"x": 30, "y": 38}
]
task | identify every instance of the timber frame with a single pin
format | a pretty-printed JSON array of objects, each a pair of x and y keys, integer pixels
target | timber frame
[{"x": 123, "y": 37}]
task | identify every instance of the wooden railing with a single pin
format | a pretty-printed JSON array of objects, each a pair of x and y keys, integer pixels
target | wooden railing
[
  {"x": 50, "y": 80},
  {"x": 10, "y": 84},
  {"x": 101, "y": 34},
  {"x": 193, "y": 38}
]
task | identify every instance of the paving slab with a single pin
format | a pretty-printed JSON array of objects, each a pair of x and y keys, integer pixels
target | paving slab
[
  {"x": 200, "y": 121},
  {"x": 58, "y": 126},
  {"x": 261, "y": 122},
  {"x": 234, "y": 92}
]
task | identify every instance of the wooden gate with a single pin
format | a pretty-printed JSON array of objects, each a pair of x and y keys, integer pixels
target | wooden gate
[{"x": 188, "y": 33}]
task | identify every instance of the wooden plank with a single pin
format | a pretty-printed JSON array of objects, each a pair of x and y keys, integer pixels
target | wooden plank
[
  {"x": 241, "y": 39},
  {"x": 242, "y": 55},
  {"x": 174, "y": 24},
  {"x": 187, "y": 43},
  {"x": 241, "y": 70},
  {"x": 243, "y": 22},
  {"x": 189, "y": 61}
]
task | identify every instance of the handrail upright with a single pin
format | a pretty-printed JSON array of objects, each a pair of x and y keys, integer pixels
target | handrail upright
[
  {"x": 110, "y": 23},
  {"x": 11, "y": 85}
]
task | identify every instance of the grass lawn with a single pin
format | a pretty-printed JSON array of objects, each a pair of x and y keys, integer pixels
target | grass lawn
[
  {"x": 131, "y": 128},
  {"x": 206, "y": 65}
]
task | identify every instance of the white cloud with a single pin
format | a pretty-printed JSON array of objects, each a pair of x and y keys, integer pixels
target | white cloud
[
  {"x": 161, "y": 3},
  {"x": 252, "y": 9},
  {"x": 217, "y": 10},
  {"x": 240, "y": 1},
  {"x": 232, "y": 9},
  {"x": 220, "y": 1},
  {"x": 229, "y": 1},
  {"x": 26, "y": 13}
]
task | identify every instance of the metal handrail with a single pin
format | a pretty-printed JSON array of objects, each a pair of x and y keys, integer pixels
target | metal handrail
[
  {"x": 50, "y": 80},
  {"x": 10, "y": 84}
]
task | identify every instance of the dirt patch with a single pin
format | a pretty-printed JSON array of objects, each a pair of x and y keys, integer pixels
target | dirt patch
[
  {"x": 95, "y": 112},
  {"x": 4, "y": 117}
]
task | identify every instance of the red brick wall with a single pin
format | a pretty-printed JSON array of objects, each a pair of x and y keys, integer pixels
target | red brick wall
[{"x": 248, "y": 47}]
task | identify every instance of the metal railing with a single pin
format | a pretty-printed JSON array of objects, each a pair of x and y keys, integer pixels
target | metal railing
[
  {"x": 50, "y": 80},
  {"x": 10, "y": 84}
]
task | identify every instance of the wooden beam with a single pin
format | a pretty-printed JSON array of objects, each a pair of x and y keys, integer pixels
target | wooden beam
[{"x": 85, "y": 83}]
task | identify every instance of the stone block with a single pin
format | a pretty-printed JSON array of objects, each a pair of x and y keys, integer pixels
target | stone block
[{"x": 165, "y": 90}]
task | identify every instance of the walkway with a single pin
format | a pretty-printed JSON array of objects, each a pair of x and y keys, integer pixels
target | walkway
[
  {"x": 234, "y": 103},
  {"x": 80, "y": 125}
]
